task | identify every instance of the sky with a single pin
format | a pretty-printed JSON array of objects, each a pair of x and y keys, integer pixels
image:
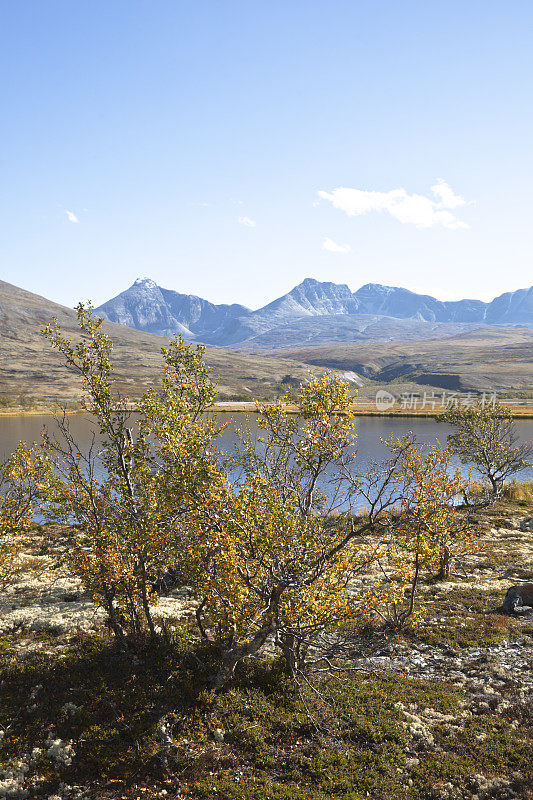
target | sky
[{"x": 231, "y": 149}]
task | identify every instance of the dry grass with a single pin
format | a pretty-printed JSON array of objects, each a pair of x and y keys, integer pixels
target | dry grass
[
  {"x": 495, "y": 359},
  {"x": 520, "y": 491},
  {"x": 488, "y": 359}
]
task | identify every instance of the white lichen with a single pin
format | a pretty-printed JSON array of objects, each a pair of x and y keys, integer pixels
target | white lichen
[
  {"x": 60, "y": 752},
  {"x": 12, "y": 781}
]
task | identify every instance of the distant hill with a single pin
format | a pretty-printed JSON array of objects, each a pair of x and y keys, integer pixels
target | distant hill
[
  {"x": 490, "y": 358},
  {"x": 315, "y": 311},
  {"x": 29, "y": 367}
]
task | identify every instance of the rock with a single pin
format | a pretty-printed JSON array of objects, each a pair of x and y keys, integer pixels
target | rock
[{"x": 518, "y": 597}]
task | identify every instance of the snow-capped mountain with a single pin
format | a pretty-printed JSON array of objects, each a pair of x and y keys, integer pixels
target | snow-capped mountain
[{"x": 149, "y": 307}]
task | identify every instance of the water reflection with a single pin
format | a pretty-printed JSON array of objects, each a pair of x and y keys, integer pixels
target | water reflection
[{"x": 369, "y": 430}]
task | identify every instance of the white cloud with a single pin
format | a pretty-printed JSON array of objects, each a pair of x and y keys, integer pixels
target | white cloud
[
  {"x": 409, "y": 209},
  {"x": 72, "y": 216},
  {"x": 247, "y": 221},
  {"x": 333, "y": 247},
  {"x": 446, "y": 195}
]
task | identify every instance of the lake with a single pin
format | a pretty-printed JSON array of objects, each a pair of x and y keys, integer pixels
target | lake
[{"x": 368, "y": 429}]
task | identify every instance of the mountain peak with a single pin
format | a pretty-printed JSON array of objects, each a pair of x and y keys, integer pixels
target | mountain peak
[
  {"x": 314, "y": 282},
  {"x": 147, "y": 282},
  {"x": 322, "y": 288},
  {"x": 147, "y": 306},
  {"x": 378, "y": 287}
]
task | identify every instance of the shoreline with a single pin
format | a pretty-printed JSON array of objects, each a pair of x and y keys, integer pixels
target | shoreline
[
  {"x": 45, "y": 412},
  {"x": 252, "y": 407},
  {"x": 363, "y": 410}
]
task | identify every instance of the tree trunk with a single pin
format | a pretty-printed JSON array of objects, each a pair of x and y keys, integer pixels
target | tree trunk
[
  {"x": 444, "y": 570},
  {"x": 113, "y": 622},
  {"x": 144, "y": 596},
  {"x": 288, "y": 644},
  {"x": 497, "y": 486},
  {"x": 231, "y": 657}
]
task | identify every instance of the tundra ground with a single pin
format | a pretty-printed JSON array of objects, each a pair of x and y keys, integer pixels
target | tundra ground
[{"x": 441, "y": 712}]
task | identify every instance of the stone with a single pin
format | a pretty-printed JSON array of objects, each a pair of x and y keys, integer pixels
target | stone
[{"x": 518, "y": 597}]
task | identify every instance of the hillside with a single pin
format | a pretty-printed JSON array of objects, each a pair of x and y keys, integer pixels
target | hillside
[
  {"x": 29, "y": 368},
  {"x": 490, "y": 358}
]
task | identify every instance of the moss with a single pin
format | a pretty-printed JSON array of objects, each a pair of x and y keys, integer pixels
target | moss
[
  {"x": 464, "y": 617},
  {"x": 271, "y": 743},
  {"x": 487, "y": 745},
  {"x": 277, "y": 742}
]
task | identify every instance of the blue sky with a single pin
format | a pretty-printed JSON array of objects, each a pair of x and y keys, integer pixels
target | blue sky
[{"x": 231, "y": 149}]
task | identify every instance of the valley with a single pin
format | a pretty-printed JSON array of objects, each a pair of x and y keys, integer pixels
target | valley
[{"x": 29, "y": 368}]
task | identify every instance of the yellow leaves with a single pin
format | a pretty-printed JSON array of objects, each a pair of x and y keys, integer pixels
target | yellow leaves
[
  {"x": 21, "y": 480},
  {"x": 256, "y": 551},
  {"x": 429, "y": 532},
  {"x": 263, "y": 541}
]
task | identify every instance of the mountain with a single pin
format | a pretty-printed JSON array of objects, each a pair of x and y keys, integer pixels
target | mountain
[
  {"x": 309, "y": 299},
  {"x": 489, "y": 358},
  {"x": 148, "y": 307},
  {"x": 511, "y": 308},
  {"x": 399, "y": 303},
  {"x": 373, "y": 311},
  {"x": 29, "y": 367}
]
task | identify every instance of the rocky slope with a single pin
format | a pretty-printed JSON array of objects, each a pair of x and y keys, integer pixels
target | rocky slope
[
  {"x": 148, "y": 307},
  {"x": 295, "y": 315}
]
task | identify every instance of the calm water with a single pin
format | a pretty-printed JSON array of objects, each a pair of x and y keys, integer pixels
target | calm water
[{"x": 369, "y": 430}]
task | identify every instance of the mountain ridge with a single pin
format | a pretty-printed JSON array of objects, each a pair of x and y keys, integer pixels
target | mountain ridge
[
  {"x": 490, "y": 358},
  {"x": 151, "y": 308}
]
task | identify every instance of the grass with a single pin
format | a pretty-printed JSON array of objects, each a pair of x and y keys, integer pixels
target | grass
[
  {"x": 255, "y": 741},
  {"x": 465, "y": 617},
  {"x": 520, "y": 491},
  {"x": 477, "y": 360}
]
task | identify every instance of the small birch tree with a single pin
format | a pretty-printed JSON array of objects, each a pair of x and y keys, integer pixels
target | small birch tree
[
  {"x": 427, "y": 533},
  {"x": 279, "y": 565},
  {"x": 22, "y": 478},
  {"x": 130, "y": 495},
  {"x": 487, "y": 439}
]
